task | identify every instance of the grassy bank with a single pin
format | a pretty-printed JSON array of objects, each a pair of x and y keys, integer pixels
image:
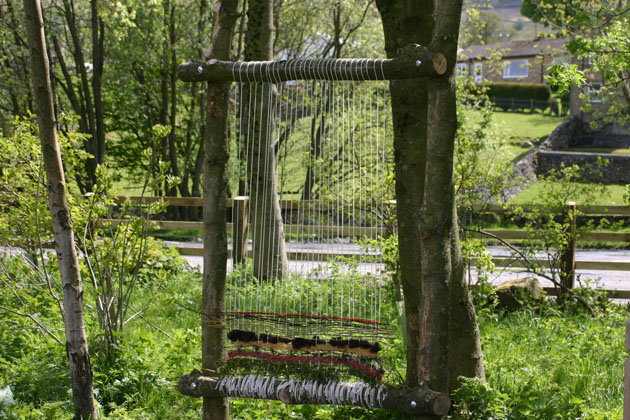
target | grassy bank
[{"x": 611, "y": 196}]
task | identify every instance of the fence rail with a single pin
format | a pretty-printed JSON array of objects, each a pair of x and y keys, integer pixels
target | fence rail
[{"x": 239, "y": 228}]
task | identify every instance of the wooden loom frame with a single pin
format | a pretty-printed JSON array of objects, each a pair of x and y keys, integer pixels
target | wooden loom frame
[{"x": 413, "y": 61}]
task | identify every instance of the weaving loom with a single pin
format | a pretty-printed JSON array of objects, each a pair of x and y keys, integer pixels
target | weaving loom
[{"x": 315, "y": 134}]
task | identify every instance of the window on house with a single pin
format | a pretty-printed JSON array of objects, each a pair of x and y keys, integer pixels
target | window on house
[
  {"x": 561, "y": 59},
  {"x": 478, "y": 72},
  {"x": 461, "y": 70},
  {"x": 593, "y": 92},
  {"x": 515, "y": 68}
]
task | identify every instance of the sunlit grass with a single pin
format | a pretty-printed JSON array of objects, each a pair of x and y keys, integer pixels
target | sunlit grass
[{"x": 612, "y": 196}]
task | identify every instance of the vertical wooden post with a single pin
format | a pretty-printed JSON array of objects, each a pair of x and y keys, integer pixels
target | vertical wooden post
[
  {"x": 567, "y": 259},
  {"x": 626, "y": 377},
  {"x": 531, "y": 105},
  {"x": 240, "y": 226}
]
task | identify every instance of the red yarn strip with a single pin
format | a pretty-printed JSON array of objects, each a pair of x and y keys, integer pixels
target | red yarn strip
[{"x": 303, "y": 359}]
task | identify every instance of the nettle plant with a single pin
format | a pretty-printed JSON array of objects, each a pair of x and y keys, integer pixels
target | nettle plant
[
  {"x": 550, "y": 221},
  {"x": 119, "y": 254},
  {"x": 24, "y": 216},
  {"x": 116, "y": 259}
]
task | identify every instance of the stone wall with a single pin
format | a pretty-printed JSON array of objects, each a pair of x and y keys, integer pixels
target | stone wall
[
  {"x": 563, "y": 135},
  {"x": 616, "y": 141},
  {"x": 617, "y": 170}
]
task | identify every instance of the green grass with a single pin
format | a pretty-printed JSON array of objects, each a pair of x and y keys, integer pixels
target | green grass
[
  {"x": 598, "y": 150},
  {"x": 518, "y": 128},
  {"x": 613, "y": 196},
  {"x": 527, "y": 126},
  {"x": 540, "y": 363},
  {"x": 554, "y": 365},
  {"x": 513, "y": 129}
]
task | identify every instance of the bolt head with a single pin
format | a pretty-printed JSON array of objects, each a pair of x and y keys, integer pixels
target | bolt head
[
  {"x": 199, "y": 69},
  {"x": 414, "y": 404},
  {"x": 418, "y": 63},
  {"x": 193, "y": 385}
]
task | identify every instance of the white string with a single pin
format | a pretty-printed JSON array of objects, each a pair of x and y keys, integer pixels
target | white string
[
  {"x": 310, "y": 392},
  {"x": 339, "y": 120}
]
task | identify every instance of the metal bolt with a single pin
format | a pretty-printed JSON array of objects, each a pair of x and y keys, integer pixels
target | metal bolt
[
  {"x": 193, "y": 385},
  {"x": 413, "y": 404},
  {"x": 418, "y": 63},
  {"x": 199, "y": 69}
]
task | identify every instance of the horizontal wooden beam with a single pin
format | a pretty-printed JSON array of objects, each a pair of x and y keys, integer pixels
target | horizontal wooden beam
[
  {"x": 513, "y": 234},
  {"x": 606, "y": 236},
  {"x": 324, "y": 204},
  {"x": 610, "y": 293},
  {"x": 416, "y": 401},
  {"x": 413, "y": 62},
  {"x": 507, "y": 262},
  {"x": 320, "y": 230}
]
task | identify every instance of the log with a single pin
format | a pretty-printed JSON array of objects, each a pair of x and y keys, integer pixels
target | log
[
  {"x": 414, "y": 61},
  {"x": 416, "y": 401}
]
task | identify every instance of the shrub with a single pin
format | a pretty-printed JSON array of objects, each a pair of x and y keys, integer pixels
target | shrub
[{"x": 536, "y": 91}]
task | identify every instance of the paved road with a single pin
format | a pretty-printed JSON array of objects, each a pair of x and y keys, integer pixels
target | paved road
[{"x": 605, "y": 279}]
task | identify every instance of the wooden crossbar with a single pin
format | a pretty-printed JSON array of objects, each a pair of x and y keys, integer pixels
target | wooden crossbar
[
  {"x": 413, "y": 61},
  {"x": 416, "y": 401}
]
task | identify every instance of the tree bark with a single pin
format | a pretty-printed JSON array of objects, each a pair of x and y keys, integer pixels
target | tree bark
[
  {"x": 404, "y": 22},
  {"x": 270, "y": 257},
  {"x": 76, "y": 341},
  {"x": 216, "y": 155},
  {"x": 98, "y": 39},
  {"x": 465, "y": 358},
  {"x": 440, "y": 317}
]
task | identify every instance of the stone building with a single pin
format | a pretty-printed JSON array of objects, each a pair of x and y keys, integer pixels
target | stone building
[{"x": 512, "y": 61}]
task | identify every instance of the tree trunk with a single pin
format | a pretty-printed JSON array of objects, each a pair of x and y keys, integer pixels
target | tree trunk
[
  {"x": 430, "y": 258},
  {"x": 401, "y": 26},
  {"x": 317, "y": 134},
  {"x": 91, "y": 119},
  {"x": 76, "y": 341},
  {"x": 216, "y": 142},
  {"x": 465, "y": 357},
  {"x": 98, "y": 38},
  {"x": 270, "y": 257}
]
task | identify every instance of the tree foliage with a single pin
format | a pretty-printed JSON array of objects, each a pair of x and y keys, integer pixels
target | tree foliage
[{"x": 601, "y": 46}]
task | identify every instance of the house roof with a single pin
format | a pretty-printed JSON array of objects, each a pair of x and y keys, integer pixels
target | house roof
[{"x": 509, "y": 49}]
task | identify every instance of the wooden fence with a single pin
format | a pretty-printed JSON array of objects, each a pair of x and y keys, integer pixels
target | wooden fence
[{"x": 239, "y": 228}]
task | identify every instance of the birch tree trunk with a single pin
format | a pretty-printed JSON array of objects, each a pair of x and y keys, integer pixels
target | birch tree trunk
[
  {"x": 76, "y": 342},
  {"x": 215, "y": 253},
  {"x": 270, "y": 257}
]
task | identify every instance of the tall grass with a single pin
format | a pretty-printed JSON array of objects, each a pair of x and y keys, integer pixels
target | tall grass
[{"x": 540, "y": 363}]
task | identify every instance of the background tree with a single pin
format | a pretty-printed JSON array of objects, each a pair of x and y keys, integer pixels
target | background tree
[
  {"x": 602, "y": 49},
  {"x": 483, "y": 27},
  {"x": 15, "y": 84},
  {"x": 270, "y": 257}
]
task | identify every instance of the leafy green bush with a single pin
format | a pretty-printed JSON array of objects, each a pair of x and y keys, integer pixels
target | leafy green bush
[{"x": 517, "y": 90}]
